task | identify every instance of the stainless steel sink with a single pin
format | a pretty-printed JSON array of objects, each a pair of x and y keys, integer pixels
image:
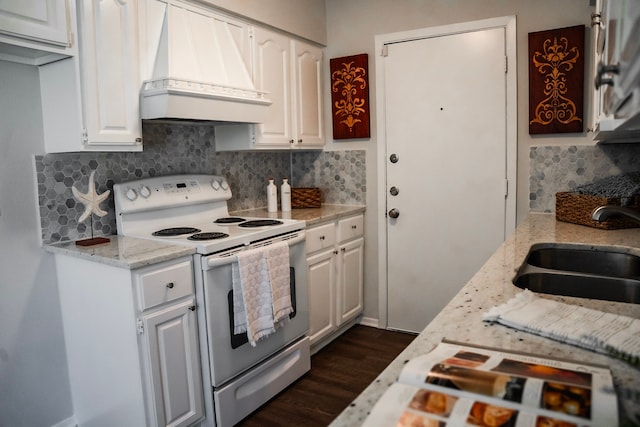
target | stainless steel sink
[{"x": 597, "y": 272}]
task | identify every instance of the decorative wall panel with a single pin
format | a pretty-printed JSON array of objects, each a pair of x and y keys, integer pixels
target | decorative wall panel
[
  {"x": 350, "y": 96},
  {"x": 556, "y": 80}
]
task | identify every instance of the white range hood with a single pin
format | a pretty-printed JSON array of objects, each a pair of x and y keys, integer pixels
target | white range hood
[{"x": 201, "y": 65}]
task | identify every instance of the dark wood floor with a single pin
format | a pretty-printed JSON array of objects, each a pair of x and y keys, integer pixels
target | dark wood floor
[{"x": 339, "y": 372}]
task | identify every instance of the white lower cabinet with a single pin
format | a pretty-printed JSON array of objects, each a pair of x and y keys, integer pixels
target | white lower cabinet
[
  {"x": 335, "y": 270},
  {"x": 171, "y": 351},
  {"x": 321, "y": 276},
  {"x": 132, "y": 343}
]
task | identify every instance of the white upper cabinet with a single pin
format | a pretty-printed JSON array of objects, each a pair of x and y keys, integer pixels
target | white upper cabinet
[
  {"x": 35, "y": 31},
  {"x": 290, "y": 72},
  {"x": 273, "y": 75},
  {"x": 616, "y": 100},
  {"x": 91, "y": 102},
  {"x": 110, "y": 72},
  {"x": 308, "y": 95}
]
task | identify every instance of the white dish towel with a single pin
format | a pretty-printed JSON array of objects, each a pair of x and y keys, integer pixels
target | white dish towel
[
  {"x": 252, "y": 298},
  {"x": 280, "y": 279},
  {"x": 603, "y": 332}
]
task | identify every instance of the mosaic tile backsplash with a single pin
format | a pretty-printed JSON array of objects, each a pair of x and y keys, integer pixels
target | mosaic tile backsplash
[
  {"x": 171, "y": 148},
  {"x": 553, "y": 169}
]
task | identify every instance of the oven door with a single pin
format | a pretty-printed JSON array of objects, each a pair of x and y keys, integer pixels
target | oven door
[{"x": 230, "y": 354}]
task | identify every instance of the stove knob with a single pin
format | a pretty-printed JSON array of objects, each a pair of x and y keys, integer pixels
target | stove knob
[
  {"x": 224, "y": 184},
  {"x": 131, "y": 194},
  {"x": 215, "y": 184},
  {"x": 145, "y": 191}
]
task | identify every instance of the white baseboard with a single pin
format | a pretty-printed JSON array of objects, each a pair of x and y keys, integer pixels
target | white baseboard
[
  {"x": 369, "y": 321},
  {"x": 69, "y": 422}
]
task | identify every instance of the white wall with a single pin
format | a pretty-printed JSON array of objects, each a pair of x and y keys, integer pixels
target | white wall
[
  {"x": 305, "y": 18},
  {"x": 351, "y": 29},
  {"x": 34, "y": 383}
]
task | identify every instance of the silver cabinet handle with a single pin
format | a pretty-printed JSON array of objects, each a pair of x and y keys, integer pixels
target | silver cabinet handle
[
  {"x": 605, "y": 69},
  {"x": 394, "y": 191},
  {"x": 393, "y": 158},
  {"x": 394, "y": 213},
  {"x": 170, "y": 285}
]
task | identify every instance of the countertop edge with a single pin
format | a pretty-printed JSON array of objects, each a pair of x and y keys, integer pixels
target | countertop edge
[
  {"x": 311, "y": 216},
  {"x": 122, "y": 252}
]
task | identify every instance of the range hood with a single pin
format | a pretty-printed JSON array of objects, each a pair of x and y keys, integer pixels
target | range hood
[{"x": 201, "y": 65}]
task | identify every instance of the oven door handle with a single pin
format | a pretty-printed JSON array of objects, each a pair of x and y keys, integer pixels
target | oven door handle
[{"x": 214, "y": 261}]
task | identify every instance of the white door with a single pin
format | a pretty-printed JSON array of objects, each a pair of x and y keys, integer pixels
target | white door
[{"x": 445, "y": 100}]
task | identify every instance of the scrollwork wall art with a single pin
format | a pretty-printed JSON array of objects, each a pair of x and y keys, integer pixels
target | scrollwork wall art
[
  {"x": 556, "y": 80},
  {"x": 350, "y": 96}
]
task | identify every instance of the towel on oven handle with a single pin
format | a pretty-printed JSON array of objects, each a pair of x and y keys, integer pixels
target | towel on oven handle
[
  {"x": 252, "y": 297},
  {"x": 279, "y": 277}
]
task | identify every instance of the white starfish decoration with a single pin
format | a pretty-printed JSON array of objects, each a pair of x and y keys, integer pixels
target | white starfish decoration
[{"x": 91, "y": 200}]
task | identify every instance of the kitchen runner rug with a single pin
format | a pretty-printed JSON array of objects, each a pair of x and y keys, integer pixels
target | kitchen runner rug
[{"x": 608, "y": 333}]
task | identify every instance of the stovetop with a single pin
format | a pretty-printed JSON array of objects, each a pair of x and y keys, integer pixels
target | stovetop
[
  {"x": 226, "y": 236},
  {"x": 192, "y": 203}
]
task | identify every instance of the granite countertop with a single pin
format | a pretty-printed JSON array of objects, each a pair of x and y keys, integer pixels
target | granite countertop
[
  {"x": 461, "y": 319},
  {"x": 311, "y": 216},
  {"x": 124, "y": 252}
]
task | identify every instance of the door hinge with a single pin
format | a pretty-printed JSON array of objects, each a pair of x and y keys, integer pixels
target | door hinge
[
  {"x": 506, "y": 188},
  {"x": 140, "y": 327},
  {"x": 85, "y": 137},
  {"x": 385, "y": 51},
  {"x": 506, "y": 64}
]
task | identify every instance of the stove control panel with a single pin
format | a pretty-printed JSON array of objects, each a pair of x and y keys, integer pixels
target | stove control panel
[
  {"x": 169, "y": 191},
  {"x": 181, "y": 186}
]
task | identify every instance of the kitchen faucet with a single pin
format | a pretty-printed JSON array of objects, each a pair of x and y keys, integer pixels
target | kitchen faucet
[{"x": 601, "y": 213}]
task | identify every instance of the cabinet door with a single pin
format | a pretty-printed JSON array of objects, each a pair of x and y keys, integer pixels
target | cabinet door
[
  {"x": 321, "y": 281},
  {"x": 39, "y": 20},
  {"x": 175, "y": 383},
  {"x": 109, "y": 55},
  {"x": 308, "y": 95},
  {"x": 350, "y": 280},
  {"x": 273, "y": 75}
]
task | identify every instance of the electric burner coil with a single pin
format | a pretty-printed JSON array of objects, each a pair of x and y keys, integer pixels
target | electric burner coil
[
  {"x": 207, "y": 236},
  {"x": 260, "y": 223},
  {"x": 175, "y": 231}
]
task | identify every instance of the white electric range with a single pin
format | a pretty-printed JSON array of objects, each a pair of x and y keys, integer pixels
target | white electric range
[{"x": 192, "y": 210}]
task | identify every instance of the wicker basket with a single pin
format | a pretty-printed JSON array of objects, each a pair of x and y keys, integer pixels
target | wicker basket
[
  {"x": 576, "y": 209},
  {"x": 305, "y": 197}
]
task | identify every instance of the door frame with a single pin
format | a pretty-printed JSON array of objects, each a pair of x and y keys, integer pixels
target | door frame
[{"x": 511, "y": 131}]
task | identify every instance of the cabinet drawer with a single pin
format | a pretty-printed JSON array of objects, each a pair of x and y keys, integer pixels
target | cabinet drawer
[
  {"x": 164, "y": 284},
  {"x": 320, "y": 237},
  {"x": 350, "y": 227}
]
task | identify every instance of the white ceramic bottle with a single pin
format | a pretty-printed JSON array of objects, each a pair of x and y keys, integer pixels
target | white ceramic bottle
[
  {"x": 285, "y": 195},
  {"x": 272, "y": 196}
]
